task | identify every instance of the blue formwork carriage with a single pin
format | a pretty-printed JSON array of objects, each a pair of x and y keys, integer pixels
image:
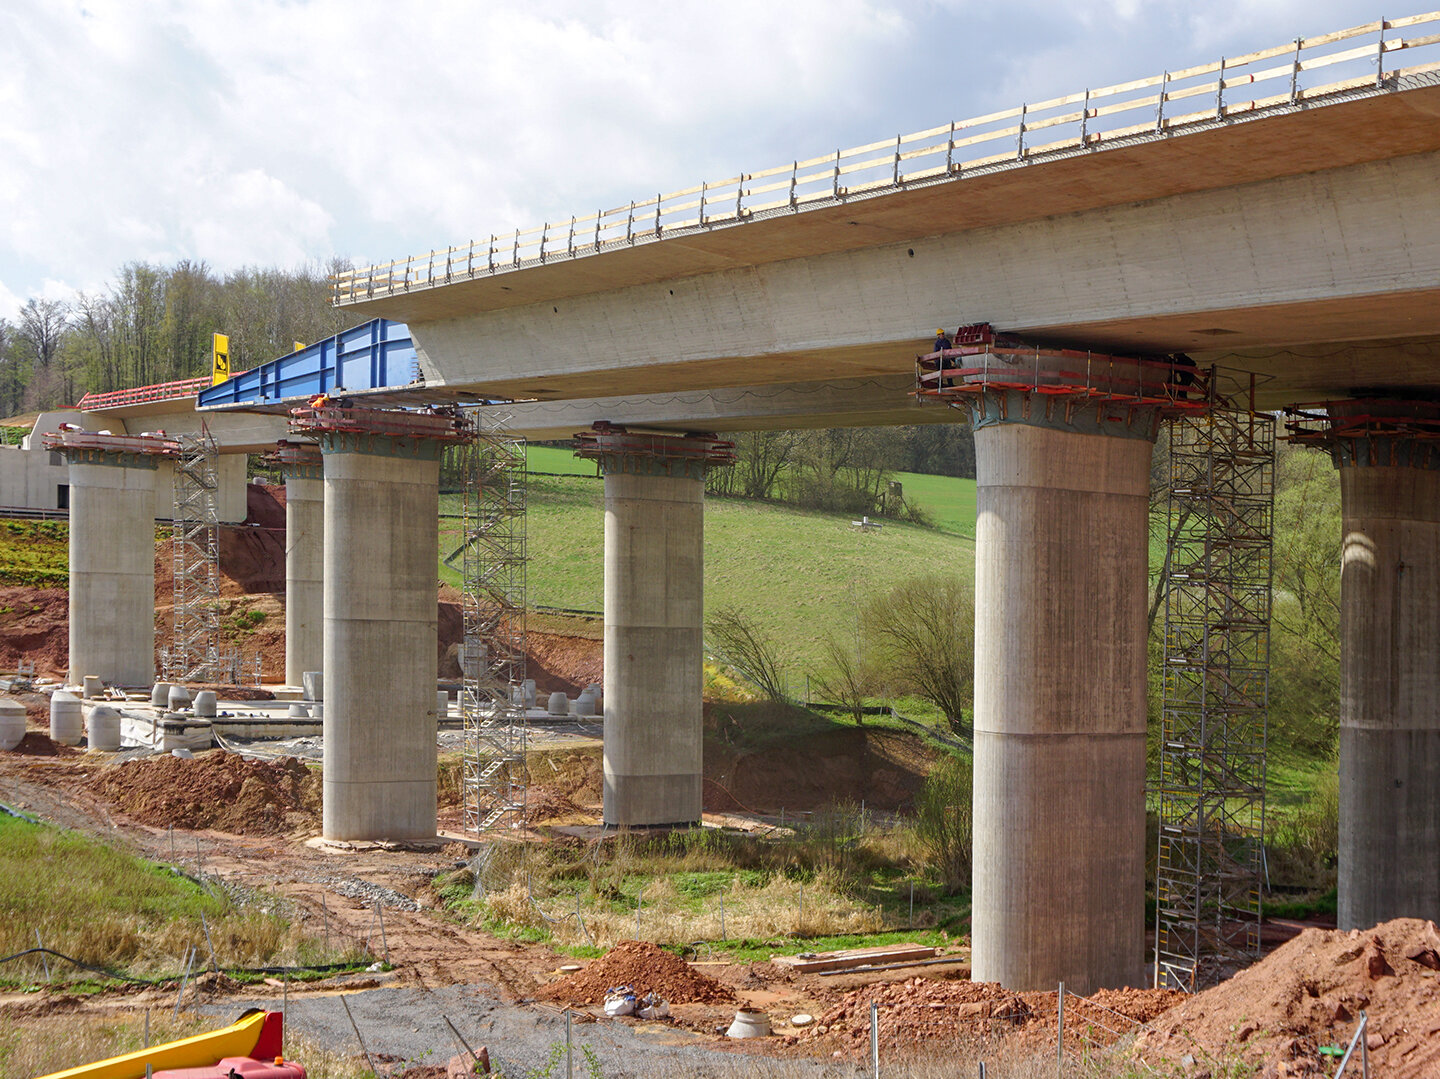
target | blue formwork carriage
[{"x": 376, "y": 355}]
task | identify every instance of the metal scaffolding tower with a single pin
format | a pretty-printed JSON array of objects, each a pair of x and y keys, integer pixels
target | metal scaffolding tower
[
  {"x": 1215, "y": 689},
  {"x": 193, "y": 655},
  {"x": 492, "y": 702}
]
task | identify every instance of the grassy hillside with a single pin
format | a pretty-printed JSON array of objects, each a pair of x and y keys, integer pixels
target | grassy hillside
[{"x": 799, "y": 574}]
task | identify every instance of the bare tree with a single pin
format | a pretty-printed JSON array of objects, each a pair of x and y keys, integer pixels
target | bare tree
[
  {"x": 850, "y": 680},
  {"x": 746, "y": 648},
  {"x": 925, "y": 632},
  {"x": 42, "y": 324}
]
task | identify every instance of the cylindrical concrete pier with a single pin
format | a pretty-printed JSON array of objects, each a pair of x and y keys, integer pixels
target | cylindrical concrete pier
[
  {"x": 654, "y": 647},
  {"x": 381, "y": 513},
  {"x": 1389, "y": 686},
  {"x": 1060, "y": 699},
  {"x": 304, "y": 572},
  {"x": 112, "y": 567},
  {"x": 654, "y": 619}
]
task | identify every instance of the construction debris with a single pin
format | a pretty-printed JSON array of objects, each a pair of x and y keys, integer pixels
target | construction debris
[{"x": 815, "y": 962}]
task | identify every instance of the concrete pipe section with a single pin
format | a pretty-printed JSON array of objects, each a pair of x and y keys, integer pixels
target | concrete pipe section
[
  {"x": 381, "y": 545},
  {"x": 1388, "y": 455},
  {"x": 112, "y": 553},
  {"x": 654, "y": 620},
  {"x": 304, "y": 558},
  {"x": 1060, "y": 693}
]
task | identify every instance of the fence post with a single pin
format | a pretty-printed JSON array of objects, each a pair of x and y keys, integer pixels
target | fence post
[
  {"x": 569, "y": 1059},
  {"x": 1060, "y": 1030},
  {"x": 874, "y": 1040},
  {"x": 639, "y": 899}
]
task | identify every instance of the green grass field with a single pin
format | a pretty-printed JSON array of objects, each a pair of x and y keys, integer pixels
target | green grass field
[
  {"x": 948, "y": 500},
  {"x": 799, "y": 574}
]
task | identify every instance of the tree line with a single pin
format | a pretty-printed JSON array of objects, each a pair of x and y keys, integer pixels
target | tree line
[
  {"x": 843, "y": 469},
  {"x": 154, "y": 324}
]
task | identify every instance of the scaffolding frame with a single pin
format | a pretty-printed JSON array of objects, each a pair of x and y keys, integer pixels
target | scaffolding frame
[
  {"x": 492, "y": 700},
  {"x": 1215, "y": 688},
  {"x": 193, "y": 655}
]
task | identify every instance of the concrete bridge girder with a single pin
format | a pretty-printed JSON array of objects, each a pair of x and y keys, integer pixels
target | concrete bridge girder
[{"x": 1342, "y": 255}]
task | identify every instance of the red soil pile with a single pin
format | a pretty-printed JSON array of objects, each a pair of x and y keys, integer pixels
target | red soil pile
[
  {"x": 216, "y": 790},
  {"x": 34, "y": 626},
  {"x": 37, "y": 744},
  {"x": 547, "y": 803},
  {"x": 920, "y": 1012},
  {"x": 1310, "y": 992},
  {"x": 645, "y": 968}
]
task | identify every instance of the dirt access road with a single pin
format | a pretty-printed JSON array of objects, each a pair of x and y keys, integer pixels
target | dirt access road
[{"x": 484, "y": 985}]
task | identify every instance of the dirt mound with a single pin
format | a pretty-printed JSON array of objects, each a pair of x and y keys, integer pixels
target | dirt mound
[
  {"x": 645, "y": 968},
  {"x": 1310, "y": 993},
  {"x": 918, "y": 1011},
  {"x": 215, "y": 790},
  {"x": 38, "y": 744},
  {"x": 546, "y": 804},
  {"x": 921, "y": 1011},
  {"x": 34, "y": 626}
]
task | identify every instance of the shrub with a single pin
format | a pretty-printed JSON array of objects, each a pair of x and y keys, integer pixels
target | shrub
[{"x": 944, "y": 821}]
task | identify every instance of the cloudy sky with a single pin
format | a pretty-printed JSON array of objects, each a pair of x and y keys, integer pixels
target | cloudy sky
[{"x": 280, "y": 132}]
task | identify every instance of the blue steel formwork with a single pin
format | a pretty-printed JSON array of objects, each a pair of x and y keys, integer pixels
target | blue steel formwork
[{"x": 376, "y": 355}]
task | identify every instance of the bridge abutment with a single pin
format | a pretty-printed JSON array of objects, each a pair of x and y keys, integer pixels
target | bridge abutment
[{"x": 1060, "y": 693}]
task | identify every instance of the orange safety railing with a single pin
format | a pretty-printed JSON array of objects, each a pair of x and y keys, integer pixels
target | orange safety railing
[{"x": 160, "y": 391}]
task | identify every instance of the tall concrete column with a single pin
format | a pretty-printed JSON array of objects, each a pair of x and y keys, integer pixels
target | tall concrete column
[
  {"x": 304, "y": 561},
  {"x": 112, "y": 556},
  {"x": 381, "y": 511},
  {"x": 1060, "y": 695},
  {"x": 654, "y": 622},
  {"x": 1389, "y": 661}
]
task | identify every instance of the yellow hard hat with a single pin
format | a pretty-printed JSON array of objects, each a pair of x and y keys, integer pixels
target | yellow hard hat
[{"x": 939, "y": 333}]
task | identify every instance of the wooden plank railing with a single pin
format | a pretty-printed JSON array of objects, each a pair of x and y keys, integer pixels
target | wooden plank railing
[{"x": 1303, "y": 70}]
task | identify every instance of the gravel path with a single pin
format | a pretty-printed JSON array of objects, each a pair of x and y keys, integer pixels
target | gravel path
[{"x": 407, "y": 1025}]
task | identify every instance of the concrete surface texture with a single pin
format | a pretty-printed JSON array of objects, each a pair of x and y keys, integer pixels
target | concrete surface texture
[
  {"x": 654, "y": 609},
  {"x": 1060, "y": 677},
  {"x": 1389, "y": 695},
  {"x": 381, "y": 546},
  {"x": 1243, "y": 266},
  {"x": 304, "y": 576},
  {"x": 112, "y": 573}
]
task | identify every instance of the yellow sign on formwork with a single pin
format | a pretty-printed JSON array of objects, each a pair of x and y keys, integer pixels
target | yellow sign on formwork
[{"x": 220, "y": 367}]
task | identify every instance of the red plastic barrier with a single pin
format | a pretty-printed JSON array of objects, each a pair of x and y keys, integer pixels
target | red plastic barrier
[{"x": 247, "y": 1067}]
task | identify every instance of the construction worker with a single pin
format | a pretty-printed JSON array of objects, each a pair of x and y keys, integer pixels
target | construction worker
[{"x": 942, "y": 342}]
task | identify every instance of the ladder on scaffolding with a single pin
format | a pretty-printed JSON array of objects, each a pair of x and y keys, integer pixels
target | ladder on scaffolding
[
  {"x": 1215, "y": 689},
  {"x": 195, "y": 559},
  {"x": 492, "y": 705}
]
